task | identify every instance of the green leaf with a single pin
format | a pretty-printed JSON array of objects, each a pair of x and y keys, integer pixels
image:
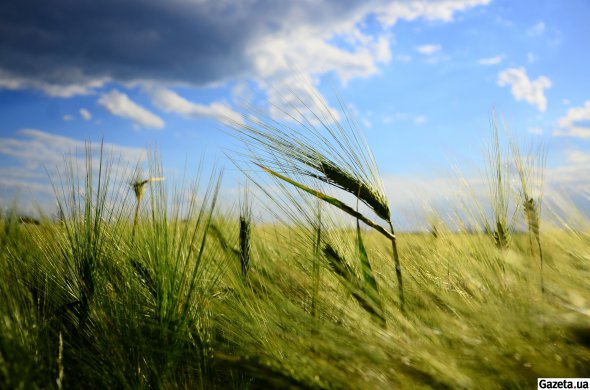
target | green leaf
[
  {"x": 365, "y": 264},
  {"x": 367, "y": 298},
  {"x": 333, "y": 201}
]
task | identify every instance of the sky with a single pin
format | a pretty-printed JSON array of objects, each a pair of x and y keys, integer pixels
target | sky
[{"x": 422, "y": 79}]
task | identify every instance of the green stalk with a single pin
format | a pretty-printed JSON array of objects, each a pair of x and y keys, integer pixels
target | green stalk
[
  {"x": 349, "y": 210},
  {"x": 139, "y": 189},
  {"x": 135, "y": 218},
  {"x": 333, "y": 201},
  {"x": 398, "y": 268},
  {"x": 316, "y": 265},
  {"x": 532, "y": 216}
]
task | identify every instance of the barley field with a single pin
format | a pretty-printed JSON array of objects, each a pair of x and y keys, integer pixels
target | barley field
[{"x": 138, "y": 284}]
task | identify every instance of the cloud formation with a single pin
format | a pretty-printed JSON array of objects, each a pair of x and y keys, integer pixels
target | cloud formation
[
  {"x": 169, "y": 101},
  {"x": 87, "y": 44},
  {"x": 576, "y": 123},
  {"x": 60, "y": 82},
  {"x": 578, "y": 157},
  {"x": 536, "y": 130},
  {"x": 37, "y": 155},
  {"x": 85, "y": 114},
  {"x": 37, "y": 149},
  {"x": 392, "y": 11},
  {"x": 428, "y": 49},
  {"x": 119, "y": 104},
  {"x": 492, "y": 60},
  {"x": 522, "y": 88},
  {"x": 573, "y": 177},
  {"x": 536, "y": 30}
]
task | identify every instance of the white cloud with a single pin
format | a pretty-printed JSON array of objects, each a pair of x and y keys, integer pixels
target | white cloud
[
  {"x": 414, "y": 199},
  {"x": 286, "y": 66},
  {"x": 169, "y": 101},
  {"x": 403, "y": 117},
  {"x": 120, "y": 105},
  {"x": 578, "y": 157},
  {"x": 38, "y": 156},
  {"x": 566, "y": 102},
  {"x": 523, "y": 88},
  {"x": 20, "y": 172},
  {"x": 573, "y": 176},
  {"x": 536, "y": 30},
  {"x": 566, "y": 181},
  {"x": 444, "y": 10},
  {"x": 296, "y": 98},
  {"x": 85, "y": 114},
  {"x": 492, "y": 60},
  {"x": 536, "y": 130},
  {"x": 429, "y": 49},
  {"x": 531, "y": 58},
  {"x": 504, "y": 22},
  {"x": 576, "y": 114},
  {"x": 576, "y": 123},
  {"x": 575, "y": 132},
  {"x": 363, "y": 118},
  {"x": 19, "y": 185},
  {"x": 242, "y": 94},
  {"x": 307, "y": 39},
  {"x": 36, "y": 148},
  {"x": 68, "y": 118},
  {"x": 86, "y": 86},
  {"x": 309, "y": 50},
  {"x": 281, "y": 62}
]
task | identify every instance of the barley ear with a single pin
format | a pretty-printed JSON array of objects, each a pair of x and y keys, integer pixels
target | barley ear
[{"x": 331, "y": 200}]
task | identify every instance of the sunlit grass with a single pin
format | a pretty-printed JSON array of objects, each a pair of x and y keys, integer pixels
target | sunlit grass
[{"x": 178, "y": 294}]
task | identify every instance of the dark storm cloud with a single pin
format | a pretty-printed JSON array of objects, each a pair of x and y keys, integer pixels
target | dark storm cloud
[{"x": 74, "y": 41}]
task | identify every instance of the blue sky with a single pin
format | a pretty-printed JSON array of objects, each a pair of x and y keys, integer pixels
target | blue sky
[{"x": 421, "y": 77}]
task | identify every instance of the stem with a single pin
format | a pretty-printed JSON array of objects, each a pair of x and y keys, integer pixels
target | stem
[
  {"x": 316, "y": 266},
  {"x": 135, "y": 219},
  {"x": 538, "y": 239},
  {"x": 533, "y": 220},
  {"x": 333, "y": 201},
  {"x": 398, "y": 268},
  {"x": 541, "y": 259}
]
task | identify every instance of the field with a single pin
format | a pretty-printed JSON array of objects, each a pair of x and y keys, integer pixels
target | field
[{"x": 144, "y": 286}]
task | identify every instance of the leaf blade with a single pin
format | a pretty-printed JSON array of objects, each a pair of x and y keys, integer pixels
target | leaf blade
[{"x": 333, "y": 201}]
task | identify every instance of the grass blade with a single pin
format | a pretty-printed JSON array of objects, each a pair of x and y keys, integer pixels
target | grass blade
[
  {"x": 365, "y": 264},
  {"x": 365, "y": 297},
  {"x": 333, "y": 201}
]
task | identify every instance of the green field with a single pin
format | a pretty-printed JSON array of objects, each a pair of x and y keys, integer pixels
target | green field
[{"x": 154, "y": 288}]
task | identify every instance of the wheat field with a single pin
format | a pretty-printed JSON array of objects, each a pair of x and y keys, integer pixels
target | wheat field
[{"x": 133, "y": 288}]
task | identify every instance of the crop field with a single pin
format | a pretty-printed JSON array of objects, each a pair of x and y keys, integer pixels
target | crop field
[{"x": 151, "y": 286}]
